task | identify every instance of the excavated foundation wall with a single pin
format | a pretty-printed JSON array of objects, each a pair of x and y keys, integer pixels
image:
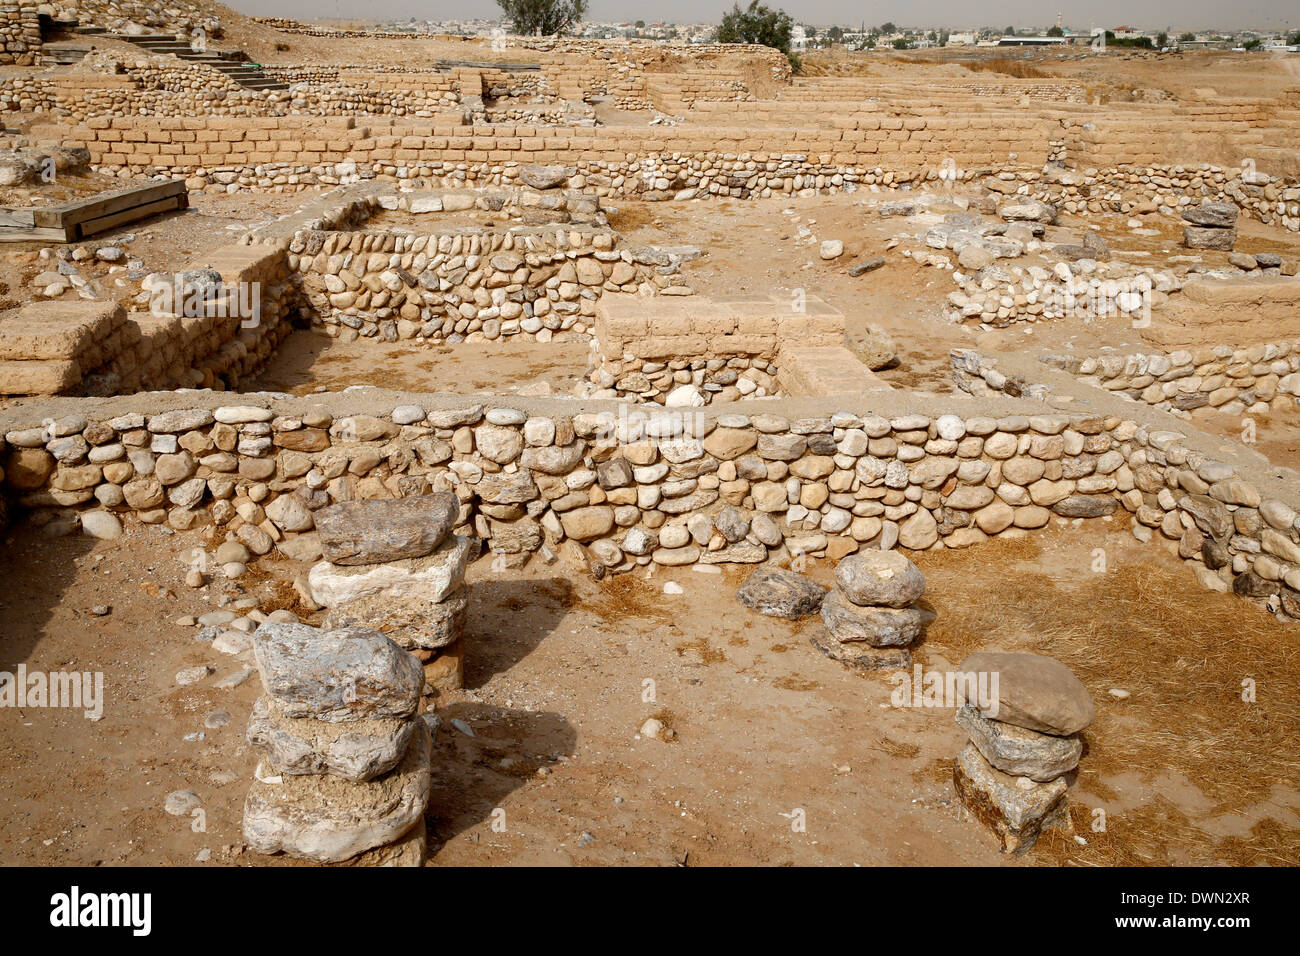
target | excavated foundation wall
[
  {"x": 20, "y": 34},
  {"x": 1252, "y": 379},
  {"x": 464, "y": 284},
  {"x": 181, "y": 340},
  {"x": 1006, "y": 154},
  {"x": 759, "y": 481}
]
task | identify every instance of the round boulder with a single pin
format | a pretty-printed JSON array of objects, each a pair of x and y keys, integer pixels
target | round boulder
[{"x": 880, "y": 579}]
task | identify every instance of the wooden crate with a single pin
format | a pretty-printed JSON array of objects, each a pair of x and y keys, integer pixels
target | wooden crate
[{"x": 77, "y": 219}]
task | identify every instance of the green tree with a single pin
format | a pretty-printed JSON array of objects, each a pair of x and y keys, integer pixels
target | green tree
[
  {"x": 640, "y": 24},
  {"x": 1186, "y": 37},
  {"x": 759, "y": 24},
  {"x": 902, "y": 44},
  {"x": 1252, "y": 44},
  {"x": 1055, "y": 32},
  {"x": 835, "y": 34},
  {"x": 543, "y": 17},
  {"x": 1293, "y": 39},
  {"x": 1162, "y": 39},
  {"x": 888, "y": 27},
  {"x": 1009, "y": 32}
]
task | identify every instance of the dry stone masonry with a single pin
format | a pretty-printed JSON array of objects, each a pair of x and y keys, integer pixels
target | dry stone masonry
[
  {"x": 346, "y": 765},
  {"x": 394, "y": 566},
  {"x": 639, "y": 489},
  {"x": 871, "y": 615},
  {"x": 1022, "y": 743}
]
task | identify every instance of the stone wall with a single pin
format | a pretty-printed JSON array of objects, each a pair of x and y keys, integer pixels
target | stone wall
[
  {"x": 705, "y": 160},
  {"x": 468, "y": 283},
  {"x": 184, "y": 339},
  {"x": 611, "y": 486},
  {"x": 692, "y": 351},
  {"x": 680, "y": 161},
  {"x": 1247, "y": 380},
  {"x": 20, "y": 34},
  {"x": 1234, "y": 380}
]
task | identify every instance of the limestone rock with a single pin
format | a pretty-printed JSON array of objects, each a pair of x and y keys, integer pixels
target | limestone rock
[
  {"x": 408, "y": 622},
  {"x": 860, "y": 655},
  {"x": 1221, "y": 215},
  {"x": 1017, "y": 751},
  {"x": 543, "y": 177},
  {"x": 357, "y": 750},
  {"x": 880, "y": 579},
  {"x": 431, "y": 578},
  {"x": 1085, "y": 506},
  {"x": 1016, "y": 813},
  {"x": 1034, "y": 692},
  {"x": 777, "y": 592},
  {"x": 328, "y": 819},
  {"x": 1204, "y": 237},
  {"x": 343, "y": 675},
  {"x": 877, "y": 626},
  {"x": 375, "y": 531}
]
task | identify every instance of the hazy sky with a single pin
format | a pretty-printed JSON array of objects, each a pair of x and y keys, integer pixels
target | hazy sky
[{"x": 1152, "y": 14}]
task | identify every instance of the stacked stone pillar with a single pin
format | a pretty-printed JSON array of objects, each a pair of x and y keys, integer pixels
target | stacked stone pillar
[
  {"x": 871, "y": 615},
  {"x": 1211, "y": 225},
  {"x": 394, "y": 566},
  {"x": 1024, "y": 738},
  {"x": 345, "y": 774}
]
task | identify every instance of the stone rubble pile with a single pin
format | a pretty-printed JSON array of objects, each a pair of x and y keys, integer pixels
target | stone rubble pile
[
  {"x": 871, "y": 616},
  {"x": 1022, "y": 743},
  {"x": 393, "y": 565},
  {"x": 346, "y": 758}
]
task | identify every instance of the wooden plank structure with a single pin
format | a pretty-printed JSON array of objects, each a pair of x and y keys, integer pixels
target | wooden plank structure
[{"x": 76, "y": 219}]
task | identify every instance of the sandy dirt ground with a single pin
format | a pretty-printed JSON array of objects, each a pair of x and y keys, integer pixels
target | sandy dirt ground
[
  {"x": 167, "y": 243},
  {"x": 310, "y": 361},
  {"x": 756, "y": 246},
  {"x": 556, "y": 679}
]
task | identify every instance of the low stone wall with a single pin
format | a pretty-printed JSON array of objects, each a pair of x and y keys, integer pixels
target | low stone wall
[
  {"x": 466, "y": 284},
  {"x": 20, "y": 34},
  {"x": 97, "y": 348},
  {"x": 1002, "y": 294},
  {"x": 140, "y": 16},
  {"x": 690, "y": 352},
  {"x": 1251, "y": 380},
  {"x": 1234, "y": 380},
  {"x": 624, "y": 490}
]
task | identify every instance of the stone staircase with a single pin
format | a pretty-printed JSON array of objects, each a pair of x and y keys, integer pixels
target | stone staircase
[{"x": 232, "y": 63}]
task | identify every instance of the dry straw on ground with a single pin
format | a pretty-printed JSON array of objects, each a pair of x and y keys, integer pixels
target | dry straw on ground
[{"x": 1183, "y": 655}]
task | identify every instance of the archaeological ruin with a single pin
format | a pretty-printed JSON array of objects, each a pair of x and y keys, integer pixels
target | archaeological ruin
[{"x": 484, "y": 450}]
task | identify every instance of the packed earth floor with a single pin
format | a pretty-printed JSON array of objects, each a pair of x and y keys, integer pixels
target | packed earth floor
[{"x": 762, "y": 724}]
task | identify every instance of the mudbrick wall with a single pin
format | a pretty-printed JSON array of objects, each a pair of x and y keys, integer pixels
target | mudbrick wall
[
  {"x": 184, "y": 144},
  {"x": 602, "y": 483},
  {"x": 1012, "y": 156}
]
